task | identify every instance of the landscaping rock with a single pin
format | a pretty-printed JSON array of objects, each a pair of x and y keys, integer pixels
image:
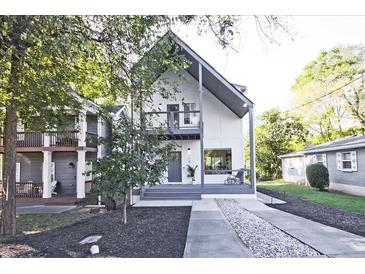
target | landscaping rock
[
  {"x": 91, "y": 239},
  {"x": 94, "y": 249},
  {"x": 262, "y": 238}
]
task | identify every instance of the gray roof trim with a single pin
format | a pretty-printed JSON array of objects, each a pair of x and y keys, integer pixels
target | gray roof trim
[
  {"x": 292, "y": 154},
  {"x": 209, "y": 68},
  {"x": 336, "y": 148}
]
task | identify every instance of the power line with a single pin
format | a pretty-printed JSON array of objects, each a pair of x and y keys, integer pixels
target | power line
[{"x": 325, "y": 95}]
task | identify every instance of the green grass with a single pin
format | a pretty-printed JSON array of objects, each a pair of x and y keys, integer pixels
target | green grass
[
  {"x": 35, "y": 223},
  {"x": 332, "y": 199}
]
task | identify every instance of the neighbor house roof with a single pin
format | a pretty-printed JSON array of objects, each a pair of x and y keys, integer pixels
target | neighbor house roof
[
  {"x": 232, "y": 96},
  {"x": 356, "y": 141},
  {"x": 352, "y": 142}
]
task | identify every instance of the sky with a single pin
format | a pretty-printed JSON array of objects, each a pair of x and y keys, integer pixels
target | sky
[{"x": 269, "y": 70}]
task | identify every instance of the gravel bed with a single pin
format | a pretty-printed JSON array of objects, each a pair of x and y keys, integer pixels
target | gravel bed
[
  {"x": 263, "y": 239},
  {"x": 151, "y": 232},
  {"x": 348, "y": 221}
]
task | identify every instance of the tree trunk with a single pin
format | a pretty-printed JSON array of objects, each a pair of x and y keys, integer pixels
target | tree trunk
[
  {"x": 8, "y": 213},
  {"x": 125, "y": 208},
  {"x": 8, "y": 217}
]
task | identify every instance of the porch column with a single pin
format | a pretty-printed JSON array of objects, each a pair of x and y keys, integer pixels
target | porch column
[
  {"x": 82, "y": 128},
  {"x": 201, "y": 123},
  {"x": 252, "y": 148},
  {"x": 46, "y": 174},
  {"x": 100, "y": 146},
  {"x": 80, "y": 176}
]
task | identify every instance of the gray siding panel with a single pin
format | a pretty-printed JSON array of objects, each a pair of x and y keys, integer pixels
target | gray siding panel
[
  {"x": 30, "y": 166},
  {"x": 65, "y": 173},
  {"x": 356, "y": 178}
]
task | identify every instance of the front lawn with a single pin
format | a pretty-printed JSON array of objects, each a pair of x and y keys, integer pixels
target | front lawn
[{"x": 332, "y": 199}]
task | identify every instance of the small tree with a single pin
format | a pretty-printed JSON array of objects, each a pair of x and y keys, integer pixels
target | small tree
[
  {"x": 137, "y": 158},
  {"x": 318, "y": 177}
]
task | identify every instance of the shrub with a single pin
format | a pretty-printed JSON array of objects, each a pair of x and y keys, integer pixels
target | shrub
[{"x": 317, "y": 175}]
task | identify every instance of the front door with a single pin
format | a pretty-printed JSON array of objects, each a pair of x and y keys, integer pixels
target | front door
[
  {"x": 173, "y": 116},
  {"x": 174, "y": 167}
]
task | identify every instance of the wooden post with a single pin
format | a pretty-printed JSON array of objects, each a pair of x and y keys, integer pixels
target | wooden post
[
  {"x": 252, "y": 148},
  {"x": 201, "y": 126}
]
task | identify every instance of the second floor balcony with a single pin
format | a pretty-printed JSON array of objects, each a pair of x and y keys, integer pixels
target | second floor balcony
[
  {"x": 60, "y": 139},
  {"x": 174, "y": 124}
]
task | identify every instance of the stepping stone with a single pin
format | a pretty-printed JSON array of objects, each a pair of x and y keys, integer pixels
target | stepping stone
[
  {"x": 94, "y": 249},
  {"x": 90, "y": 239}
]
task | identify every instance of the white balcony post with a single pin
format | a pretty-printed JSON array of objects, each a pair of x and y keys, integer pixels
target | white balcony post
[
  {"x": 46, "y": 174},
  {"x": 100, "y": 146},
  {"x": 82, "y": 128},
  {"x": 80, "y": 173},
  {"x": 46, "y": 140},
  {"x": 252, "y": 148}
]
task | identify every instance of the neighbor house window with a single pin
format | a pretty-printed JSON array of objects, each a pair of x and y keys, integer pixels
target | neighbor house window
[
  {"x": 190, "y": 118},
  {"x": 218, "y": 161},
  {"x": 321, "y": 159},
  {"x": 346, "y": 161}
]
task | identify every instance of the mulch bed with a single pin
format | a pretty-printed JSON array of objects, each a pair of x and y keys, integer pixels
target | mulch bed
[
  {"x": 348, "y": 221},
  {"x": 151, "y": 232}
]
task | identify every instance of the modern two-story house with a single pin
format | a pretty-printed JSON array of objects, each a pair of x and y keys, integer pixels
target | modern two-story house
[
  {"x": 205, "y": 121},
  {"x": 44, "y": 158}
]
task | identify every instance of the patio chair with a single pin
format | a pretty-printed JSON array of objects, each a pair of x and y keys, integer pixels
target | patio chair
[
  {"x": 53, "y": 187},
  {"x": 235, "y": 179}
]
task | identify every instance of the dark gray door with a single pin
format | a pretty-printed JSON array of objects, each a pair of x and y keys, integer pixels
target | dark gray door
[
  {"x": 173, "y": 116},
  {"x": 174, "y": 167}
]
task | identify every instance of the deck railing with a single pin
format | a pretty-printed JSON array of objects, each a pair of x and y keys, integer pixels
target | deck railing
[
  {"x": 26, "y": 189},
  {"x": 234, "y": 176},
  {"x": 56, "y": 139},
  {"x": 172, "y": 119},
  {"x": 64, "y": 138}
]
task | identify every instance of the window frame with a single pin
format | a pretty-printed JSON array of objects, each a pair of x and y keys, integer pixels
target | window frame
[
  {"x": 228, "y": 156},
  {"x": 344, "y": 160}
]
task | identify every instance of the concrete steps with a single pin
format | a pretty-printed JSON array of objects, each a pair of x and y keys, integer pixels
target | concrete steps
[{"x": 179, "y": 193}]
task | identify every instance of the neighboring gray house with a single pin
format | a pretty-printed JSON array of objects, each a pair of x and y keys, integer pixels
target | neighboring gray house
[
  {"x": 344, "y": 158},
  {"x": 44, "y": 158}
]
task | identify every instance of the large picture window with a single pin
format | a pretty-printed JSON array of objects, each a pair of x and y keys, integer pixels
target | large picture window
[
  {"x": 218, "y": 161},
  {"x": 190, "y": 118}
]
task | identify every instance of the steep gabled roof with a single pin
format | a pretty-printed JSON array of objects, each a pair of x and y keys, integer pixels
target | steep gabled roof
[{"x": 230, "y": 95}]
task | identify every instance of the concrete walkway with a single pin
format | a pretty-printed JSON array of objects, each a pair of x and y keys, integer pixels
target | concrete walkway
[
  {"x": 329, "y": 241},
  {"x": 41, "y": 209},
  {"x": 210, "y": 235}
]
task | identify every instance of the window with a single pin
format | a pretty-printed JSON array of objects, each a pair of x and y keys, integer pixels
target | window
[
  {"x": 190, "y": 118},
  {"x": 321, "y": 159},
  {"x": 346, "y": 161},
  {"x": 218, "y": 161}
]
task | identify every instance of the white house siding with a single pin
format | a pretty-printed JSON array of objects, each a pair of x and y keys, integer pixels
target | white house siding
[
  {"x": 294, "y": 169},
  {"x": 222, "y": 128},
  {"x": 347, "y": 181}
]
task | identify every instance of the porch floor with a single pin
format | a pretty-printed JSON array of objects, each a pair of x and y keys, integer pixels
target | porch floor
[{"x": 207, "y": 188}]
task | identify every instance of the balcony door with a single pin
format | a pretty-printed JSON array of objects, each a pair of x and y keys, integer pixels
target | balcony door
[{"x": 173, "y": 116}]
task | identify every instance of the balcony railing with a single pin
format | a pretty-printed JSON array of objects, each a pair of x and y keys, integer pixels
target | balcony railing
[
  {"x": 172, "y": 120},
  {"x": 64, "y": 139},
  {"x": 26, "y": 189},
  {"x": 56, "y": 139}
]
